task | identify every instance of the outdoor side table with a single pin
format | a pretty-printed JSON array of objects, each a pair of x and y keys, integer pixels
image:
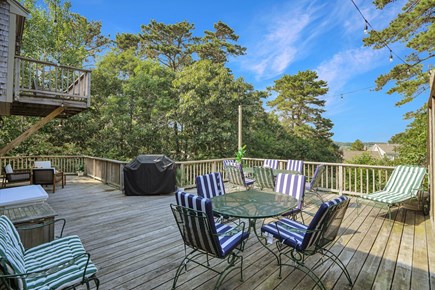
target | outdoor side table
[{"x": 32, "y": 215}]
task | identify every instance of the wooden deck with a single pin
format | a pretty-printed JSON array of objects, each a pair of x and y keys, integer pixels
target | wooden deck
[{"x": 135, "y": 243}]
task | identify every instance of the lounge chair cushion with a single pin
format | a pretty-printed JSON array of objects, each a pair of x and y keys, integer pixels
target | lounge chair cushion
[
  {"x": 42, "y": 164},
  {"x": 43, "y": 257},
  {"x": 388, "y": 197},
  {"x": 402, "y": 185},
  {"x": 8, "y": 169},
  {"x": 11, "y": 246},
  {"x": 54, "y": 253}
]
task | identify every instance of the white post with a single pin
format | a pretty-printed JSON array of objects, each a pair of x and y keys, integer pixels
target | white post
[{"x": 240, "y": 127}]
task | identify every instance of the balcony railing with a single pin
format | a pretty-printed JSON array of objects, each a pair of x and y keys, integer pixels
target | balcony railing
[
  {"x": 51, "y": 84},
  {"x": 338, "y": 177}
]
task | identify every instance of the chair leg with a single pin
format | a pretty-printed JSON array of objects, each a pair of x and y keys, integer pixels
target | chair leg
[{"x": 339, "y": 263}]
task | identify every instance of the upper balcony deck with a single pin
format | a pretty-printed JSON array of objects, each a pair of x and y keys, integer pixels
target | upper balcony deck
[{"x": 40, "y": 87}]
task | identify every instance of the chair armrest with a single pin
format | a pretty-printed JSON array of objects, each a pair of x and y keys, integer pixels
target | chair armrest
[{"x": 36, "y": 226}]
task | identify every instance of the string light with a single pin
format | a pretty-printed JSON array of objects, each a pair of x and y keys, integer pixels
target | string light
[
  {"x": 366, "y": 28},
  {"x": 384, "y": 42}
]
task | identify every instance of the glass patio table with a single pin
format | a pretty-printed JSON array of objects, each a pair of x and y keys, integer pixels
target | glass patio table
[{"x": 253, "y": 205}]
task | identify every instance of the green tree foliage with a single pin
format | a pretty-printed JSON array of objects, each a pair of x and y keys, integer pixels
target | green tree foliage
[
  {"x": 298, "y": 104},
  {"x": 358, "y": 145},
  {"x": 54, "y": 33},
  {"x": 218, "y": 45},
  {"x": 414, "y": 28},
  {"x": 412, "y": 149},
  {"x": 207, "y": 110}
]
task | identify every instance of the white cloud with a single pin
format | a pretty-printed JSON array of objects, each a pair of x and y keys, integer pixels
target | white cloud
[
  {"x": 280, "y": 42},
  {"x": 345, "y": 66}
]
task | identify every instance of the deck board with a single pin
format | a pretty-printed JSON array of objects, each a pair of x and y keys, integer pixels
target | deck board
[{"x": 135, "y": 244}]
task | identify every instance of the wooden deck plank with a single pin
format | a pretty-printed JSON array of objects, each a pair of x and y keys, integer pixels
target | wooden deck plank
[
  {"x": 136, "y": 245},
  {"x": 402, "y": 274},
  {"x": 387, "y": 266},
  {"x": 430, "y": 235},
  {"x": 420, "y": 276}
]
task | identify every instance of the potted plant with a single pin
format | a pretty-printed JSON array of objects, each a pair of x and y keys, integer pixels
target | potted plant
[
  {"x": 240, "y": 154},
  {"x": 80, "y": 170}
]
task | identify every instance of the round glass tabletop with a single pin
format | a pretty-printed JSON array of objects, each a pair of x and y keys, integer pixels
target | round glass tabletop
[{"x": 253, "y": 204}]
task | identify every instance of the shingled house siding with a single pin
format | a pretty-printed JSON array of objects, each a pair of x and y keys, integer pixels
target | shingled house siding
[{"x": 4, "y": 36}]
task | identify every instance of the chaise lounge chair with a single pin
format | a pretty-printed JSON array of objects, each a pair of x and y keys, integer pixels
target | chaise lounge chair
[{"x": 403, "y": 185}]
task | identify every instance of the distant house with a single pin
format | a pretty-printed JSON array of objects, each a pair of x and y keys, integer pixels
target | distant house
[
  {"x": 385, "y": 150},
  {"x": 349, "y": 155}
]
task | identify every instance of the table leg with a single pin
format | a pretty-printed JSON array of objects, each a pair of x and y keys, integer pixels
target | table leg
[{"x": 261, "y": 238}]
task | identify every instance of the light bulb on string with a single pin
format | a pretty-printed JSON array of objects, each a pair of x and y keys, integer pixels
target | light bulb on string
[
  {"x": 391, "y": 55},
  {"x": 366, "y": 28}
]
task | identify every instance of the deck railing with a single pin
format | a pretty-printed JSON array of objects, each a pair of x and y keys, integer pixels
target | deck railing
[
  {"x": 338, "y": 177},
  {"x": 67, "y": 164},
  {"x": 57, "y": 84}
]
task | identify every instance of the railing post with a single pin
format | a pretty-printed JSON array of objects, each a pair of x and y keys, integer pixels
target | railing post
[
  {"x": 17, "y": 79},
  {"x": 340, "y": 179},
  {"x": 121, "y": 177}
]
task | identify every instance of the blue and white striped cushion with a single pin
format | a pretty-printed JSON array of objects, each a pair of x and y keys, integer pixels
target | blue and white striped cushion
[
  {"x": 316, "y": 223},
  {"x": 272, "y": 163},
  {"x": 210, "y": 185},
  {"x": 54, "y": 253},
  {"x": 290, "y": 232},
  {"x": 300, "y": 236},
  {"x": 230, "y": 241},
  {"x": 196, "y": 233},
  {"x": 229, "y": 163},
  {"x": 295, "y": 165},
  {"x": 291, "y": 184}
]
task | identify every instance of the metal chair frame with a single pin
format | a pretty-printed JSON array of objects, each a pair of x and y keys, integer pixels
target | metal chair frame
[
  {"x": 189, "y": 216},
  {"x": 319, "y": 247}
]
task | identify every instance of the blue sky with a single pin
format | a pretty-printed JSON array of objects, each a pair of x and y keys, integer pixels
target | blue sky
[{"x": 284, "y": 37}]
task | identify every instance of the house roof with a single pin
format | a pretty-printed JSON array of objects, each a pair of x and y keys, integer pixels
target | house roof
[
  {"x": 388, "y": 148},
  {"x": 351, "y": 154}
]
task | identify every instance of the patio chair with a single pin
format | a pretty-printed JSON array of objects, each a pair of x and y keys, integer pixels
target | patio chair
[
  {"x": 297, "y": 241},
  {"x": 229, "y": 162},
  {"x": 210, "y": 185},
  {"x": 313, "y": 185},
  {"x": 293, "y": 185},
  {"x": 11, "y": 176},
  {"x": 272, "y": 163},
  {"x": 44, "y": 174},
  {"x": 236, "y": 176},
  {"x": 59, "y": 264},
  {"x": 264, "y": 177},
  {"x": 194, "y": 217},
  {"x": 404, "y": 184},
  {"x": 295, "y": 165}
]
